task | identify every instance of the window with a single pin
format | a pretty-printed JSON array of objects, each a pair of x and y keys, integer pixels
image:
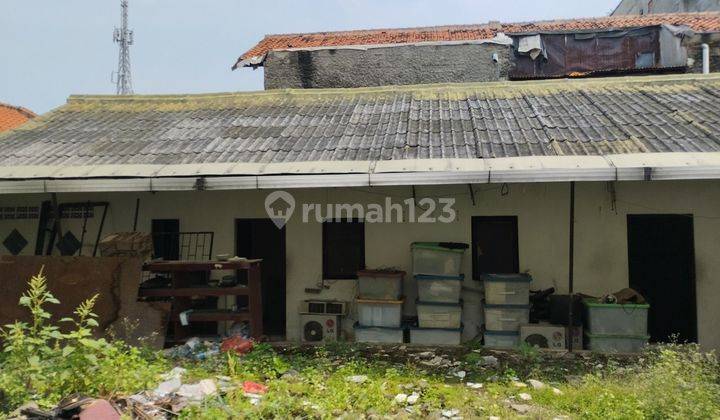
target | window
[
  {"x": 343, "y": 248},
  {"x": 495, "y": 245}
]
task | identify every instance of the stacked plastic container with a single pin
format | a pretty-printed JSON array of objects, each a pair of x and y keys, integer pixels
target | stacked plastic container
[
  {"x": 507, "y": 307},
  {"x": 379, "y": 306},
  {"x": 437, "y": 273},
  {"x": 616, "y": 328}
]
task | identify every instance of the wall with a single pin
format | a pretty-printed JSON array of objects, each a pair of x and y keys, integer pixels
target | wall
[
  {"x": 380, "y": 66},
  {"x": 542, "y": 210},
  {"x": 641, "y": 7},
  {"x": 694, "y": 47}
]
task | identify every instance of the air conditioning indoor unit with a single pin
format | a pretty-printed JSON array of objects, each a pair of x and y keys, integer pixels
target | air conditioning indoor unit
[
  {"x": 319, "y": 327},
  {"x": 548, "y": 336}
]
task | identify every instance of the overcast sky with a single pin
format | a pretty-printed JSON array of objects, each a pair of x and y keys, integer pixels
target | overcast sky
[{"x": 50, "y": 49}]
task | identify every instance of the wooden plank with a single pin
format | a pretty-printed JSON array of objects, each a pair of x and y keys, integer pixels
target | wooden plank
[
  {"x": 168, "y": 266},
  {"x": 219, "y": 315},
  {"x": 255, "y": 301},
  {"x": 195, "y": 291}
]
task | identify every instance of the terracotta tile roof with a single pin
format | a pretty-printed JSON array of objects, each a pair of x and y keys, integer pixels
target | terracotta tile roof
[
  {"x": 699, "y": 22},
  {"x": 13, "y": 116}
]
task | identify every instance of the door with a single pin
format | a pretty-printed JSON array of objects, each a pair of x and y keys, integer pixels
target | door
[
  {"x": 661, "y": 261},
  {"x": 166, "y": 239},
  {"x": 260, "y": 238},
  {"x": 495, "y": 245}
]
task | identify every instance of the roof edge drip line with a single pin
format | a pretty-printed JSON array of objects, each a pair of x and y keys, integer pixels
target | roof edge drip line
[{"x": 264, "y": 182}]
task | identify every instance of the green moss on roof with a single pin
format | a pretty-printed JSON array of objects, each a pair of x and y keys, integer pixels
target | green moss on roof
[{"x": 460, "y": 91}]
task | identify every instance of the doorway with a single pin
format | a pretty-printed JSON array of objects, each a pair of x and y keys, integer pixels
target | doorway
[
  {"x": 661, "y": 263},
  {"x": 495, "y": 245},
  {"x": 260, "y": 238}
]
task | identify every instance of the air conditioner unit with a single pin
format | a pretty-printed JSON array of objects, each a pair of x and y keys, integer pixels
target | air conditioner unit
[
  {"x": 330, "y": 307},
  {"x": 549, "y": 336},
  {"x": 316, "y": 328}
]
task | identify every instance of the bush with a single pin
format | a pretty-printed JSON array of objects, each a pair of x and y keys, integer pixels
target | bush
[{"x": 43, "y": 364}]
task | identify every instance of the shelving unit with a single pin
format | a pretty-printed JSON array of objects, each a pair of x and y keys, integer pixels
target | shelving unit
[{"x": 184, "y": 277}]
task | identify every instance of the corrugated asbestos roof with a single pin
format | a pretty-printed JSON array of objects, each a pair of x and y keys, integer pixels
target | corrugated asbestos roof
[
  {"x": 589, "y": 117},
  {"x": 699, "y": 22}
]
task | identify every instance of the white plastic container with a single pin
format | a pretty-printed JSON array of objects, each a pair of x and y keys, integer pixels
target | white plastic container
[
  {"x": 605, "y": 343},
  {"x": 439, "y": 289},
  {"x": 379, "y": 284},
  {"x": 437, "y": 259},
  {"x": 377, "y": 334},
  {"x": 439, "y": 315},
  {"x": 379, "y": 313},
  {"x": 502, "y": 339},
  {"x": 506, "y": 317},
  {"x": 507, "y": 289},
  {"x": 436, "y": 336},
  {"x": 616, "y": 319}
]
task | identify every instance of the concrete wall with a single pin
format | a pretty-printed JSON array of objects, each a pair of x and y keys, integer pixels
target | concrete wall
[
  {"x": 380, "y": 66},
  {"x": 694, "y": 48},
  {"x": 642, "y": 7},
  {"x": 601, "y": 262}
]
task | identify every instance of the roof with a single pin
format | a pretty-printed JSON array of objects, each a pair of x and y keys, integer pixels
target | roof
[
  {"x": 389, "y": 129},
  {"x": 13, "y": 116},
  {"x": 699, "y": 22}
]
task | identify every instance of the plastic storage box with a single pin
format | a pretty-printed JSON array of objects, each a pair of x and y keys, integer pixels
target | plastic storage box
[
  {"x": 506, "y": 317},
  {"x": 377, "y": 334},
  {"x": 439, "y": 315},
  {"x": 378, "y": 284},
  {"x": 507, "y": 289},
  {"x": 616, "y": 319},
  {"x": 379, "y": 313},
  {"x": 502, "y": 339},
  {"x": 437, "y": 258},
  {"x": 606, "y": 343},
  {"x": 436, "y": 336},
  {"x": 439, "y": 289}
]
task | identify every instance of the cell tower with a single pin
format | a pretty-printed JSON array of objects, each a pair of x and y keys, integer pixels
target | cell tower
[{"x": 123, "y": 37}]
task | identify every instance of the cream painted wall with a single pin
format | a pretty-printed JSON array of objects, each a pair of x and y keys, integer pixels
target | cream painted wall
[{"x": 542, "y": 210}]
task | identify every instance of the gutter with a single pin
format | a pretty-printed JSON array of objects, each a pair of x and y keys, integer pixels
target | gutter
[{"x": 621, "y": 168}]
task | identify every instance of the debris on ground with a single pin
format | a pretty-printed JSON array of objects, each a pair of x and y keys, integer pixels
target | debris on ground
[
  {"x": 535, "y": 384},
  {"x": 358, "y": 379},
  {"x": 413, "y": 398},
  {"x": 75, "y": 406},
  {"x": 237, "y": 344},
  {"x": 525, "y": 397},
  {"x": 194, "y": 349}
]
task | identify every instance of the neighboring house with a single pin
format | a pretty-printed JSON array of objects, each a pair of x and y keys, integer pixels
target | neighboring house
[
  {"x": 13, "y": 116},
  {"x": 486, "y": 52},
  {"x": 646, "y": 7},
  {"x": 642, "y": 155}
]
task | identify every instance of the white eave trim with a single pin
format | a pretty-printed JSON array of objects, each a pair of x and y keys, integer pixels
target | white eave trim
[{"x": 245, "y": 176}]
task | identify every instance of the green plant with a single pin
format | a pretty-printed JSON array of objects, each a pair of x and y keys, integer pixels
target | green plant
[{"x": 40, "y": 362}]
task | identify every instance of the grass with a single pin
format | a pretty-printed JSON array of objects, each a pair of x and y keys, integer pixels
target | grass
[{"x": 43, "y": 363}]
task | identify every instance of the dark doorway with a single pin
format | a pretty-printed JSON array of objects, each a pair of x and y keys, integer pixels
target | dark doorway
[
  {"x": 166, "y": 239},
  {"x": 495, "y": 245},
  {"x": 661, "y": 259},
  {"x": 260, "y": 238}
]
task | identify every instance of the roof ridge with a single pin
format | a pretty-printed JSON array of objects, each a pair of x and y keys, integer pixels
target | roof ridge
[
  {"x": 436, "y": 87},
  {"x": 490, "y": 24},
  {"x": 19, "y": 109}
]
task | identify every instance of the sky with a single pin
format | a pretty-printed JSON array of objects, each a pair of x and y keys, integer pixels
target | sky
[{"x": 50, "y": 49}]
